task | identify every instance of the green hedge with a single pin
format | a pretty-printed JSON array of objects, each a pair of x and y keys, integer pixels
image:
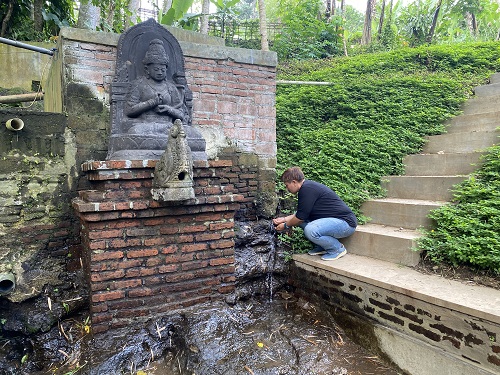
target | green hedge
[
  {"x": 468, "y": 230},
  {"x": 378, "y": 108}
]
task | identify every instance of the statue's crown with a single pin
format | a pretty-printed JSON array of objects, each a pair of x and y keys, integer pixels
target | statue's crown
[{"x": 156, "y": 53}]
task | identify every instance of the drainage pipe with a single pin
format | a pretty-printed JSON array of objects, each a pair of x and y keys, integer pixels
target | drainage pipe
[
  {"x": 7, "y": 283},
  {"x": 28, "y": 46},
  {"x": 14, "y": 124}
]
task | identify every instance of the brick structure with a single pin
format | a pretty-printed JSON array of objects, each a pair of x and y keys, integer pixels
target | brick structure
[{"x": 144, "y": 257}]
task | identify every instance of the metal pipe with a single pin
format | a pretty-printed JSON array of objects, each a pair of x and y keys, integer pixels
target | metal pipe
[
  {"x": 7, "y": 283},
  {"x": 28, "y": 46}
]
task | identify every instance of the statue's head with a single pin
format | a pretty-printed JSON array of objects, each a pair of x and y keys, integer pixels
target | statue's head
[{"x": 156, "y": 60}]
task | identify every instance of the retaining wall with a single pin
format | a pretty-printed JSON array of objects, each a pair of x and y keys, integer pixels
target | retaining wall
[{"x": 420, "y": 334}]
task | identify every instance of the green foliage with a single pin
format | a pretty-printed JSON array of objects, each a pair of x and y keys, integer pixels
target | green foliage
[
  {"x": 306, "y": 34},
  {"x": 468, "y": 230},
  {"x": 378, "y": 108}
]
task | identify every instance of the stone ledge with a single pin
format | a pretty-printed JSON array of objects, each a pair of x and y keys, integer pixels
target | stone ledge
[{"x": 478, "y": 301}]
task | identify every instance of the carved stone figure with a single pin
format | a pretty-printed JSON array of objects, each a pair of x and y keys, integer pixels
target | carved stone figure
[
  {"x": 148, "y": 94},
  {"x": 173, "y": 176}
]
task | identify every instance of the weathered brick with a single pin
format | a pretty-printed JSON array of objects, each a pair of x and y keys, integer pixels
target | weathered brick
[
  {"x": 142, "y": 253},
  {"x": 108, "y": 296},
  {"x": 102, "y": 276}
]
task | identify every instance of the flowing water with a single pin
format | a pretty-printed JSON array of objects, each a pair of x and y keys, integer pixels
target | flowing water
[{"x": 283, "y": 337}]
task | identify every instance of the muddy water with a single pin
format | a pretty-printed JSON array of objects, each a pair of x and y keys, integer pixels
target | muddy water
[{"x": 286, "y": 336}]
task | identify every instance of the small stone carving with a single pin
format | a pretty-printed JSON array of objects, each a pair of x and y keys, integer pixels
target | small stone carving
[
  {"x": 173, "y": 176},
  {"x": 148, "y": 94}
]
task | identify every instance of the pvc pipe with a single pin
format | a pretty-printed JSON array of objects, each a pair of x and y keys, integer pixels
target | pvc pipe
[
  {"x": 14, "y": 124},
  {"x": 19, "y": 98},
  {"x": 7, "y": 283}
]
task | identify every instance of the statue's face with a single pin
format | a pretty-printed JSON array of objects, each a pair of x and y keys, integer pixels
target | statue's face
[{"x": 157, "y": 71}]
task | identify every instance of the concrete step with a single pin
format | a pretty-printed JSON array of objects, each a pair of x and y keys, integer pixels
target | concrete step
[
  {"x": 441, "y": 164},
  {"x": 475, "y": 300},
  {"x": 460, "y": 142},
  {"x": 487, "y": 90},
  {"x": 402, "y": 213},
  {"x": 391, "y": 244},
  {"x": 474, "y": 123},
  {"x": 495, "y": 78},
  {"x": 481, "y": 105},
  {"x": 432, "y": 188}
]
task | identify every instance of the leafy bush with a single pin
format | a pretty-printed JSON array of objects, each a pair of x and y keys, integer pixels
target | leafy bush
[
  {"x": 468, "y": 229},
  {"x": 377, "y": 109}
]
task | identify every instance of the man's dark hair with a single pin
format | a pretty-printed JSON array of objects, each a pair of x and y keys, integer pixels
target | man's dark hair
[{"x": 292, "y": 173}]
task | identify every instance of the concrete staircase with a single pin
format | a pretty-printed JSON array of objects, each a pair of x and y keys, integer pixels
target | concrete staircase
[
  {"x": 375, "y": 281},
  {"x": 445, "y": 160}
]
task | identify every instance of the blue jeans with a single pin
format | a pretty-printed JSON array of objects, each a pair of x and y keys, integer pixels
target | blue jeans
[{"x": 324, "y": 232}]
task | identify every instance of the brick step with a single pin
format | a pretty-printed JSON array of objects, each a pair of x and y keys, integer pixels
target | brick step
[
  {"x": 432, "y": 188},
  {"x": 402, "y": 213},
  {"x": 391, "y": 244},
  {"x": 442, "y": 164},
  {"x": 461, "y": 142}
]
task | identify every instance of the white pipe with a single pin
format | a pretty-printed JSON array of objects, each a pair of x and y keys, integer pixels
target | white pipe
[
  {"x": 7, "y": 283},
  {"x": 14, "y": 124}
]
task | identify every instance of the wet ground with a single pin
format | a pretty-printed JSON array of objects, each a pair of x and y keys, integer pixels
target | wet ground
[{"x": 285, "y": 337}]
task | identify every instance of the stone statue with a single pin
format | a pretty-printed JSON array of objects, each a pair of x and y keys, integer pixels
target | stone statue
[
  {"x": 152, "y": 98},
  {"x": 148, "y": 94},
  {"x": 173, "y": 176}
]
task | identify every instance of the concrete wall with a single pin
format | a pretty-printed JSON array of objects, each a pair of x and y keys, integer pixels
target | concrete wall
[
  {"x": 421, "y": 337},
  {"x": 19, "y": 67}
]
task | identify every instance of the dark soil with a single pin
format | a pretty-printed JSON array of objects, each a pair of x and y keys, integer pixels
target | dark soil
[{"x": 463, "y": 274}]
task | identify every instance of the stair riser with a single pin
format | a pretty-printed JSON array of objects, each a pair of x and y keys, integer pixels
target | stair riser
[
  {"x": 487, "y": 90},
  {"x": 461, "y": 142},
  {"x": 426, "y": 188},
  {"x": 391, "y": 249},
  {"x": 473, "y": 123},
  {"x": 441, "y": 164},
  {"x": 409, "y": 216},
  {"x": 481, "y": 105}
]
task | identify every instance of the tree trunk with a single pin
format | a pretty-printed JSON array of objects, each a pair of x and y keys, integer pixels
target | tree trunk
[
  {"x": 342, "y": 11},
  {"x": 38, "y": 15},
  {"x": 167, "y": 4},
  {"x": 381, "y": 21},
  {"x": 471, "y": 22},
  {"x": 434, "y": 22},
  {"x": 263, "y": 26},
  {"x": 205, "y": 10},
  {"x": 6, "y": 19},
  {"x": 330, "y": 9},
  {"x": 111, "y": 14},
  {"x": 89, "y": 16},
  {"x": 367, "y": 28},
  {"x": 133, "y": 7}
]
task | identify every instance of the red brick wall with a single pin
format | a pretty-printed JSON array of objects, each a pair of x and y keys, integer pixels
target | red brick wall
[{"x": 144, "y": 257}]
